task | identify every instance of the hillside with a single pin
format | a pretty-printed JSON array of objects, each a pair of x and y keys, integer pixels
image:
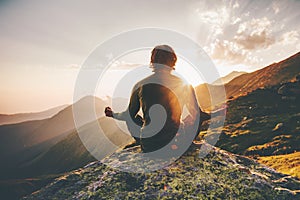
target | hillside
[
  {"x": 12, "y": 136},
  {"x": 24, "y": 141},
  {"x": 219, "y": 175},
  {"x": 70, "y": 153},
  {"x": 262, "y": 123},
  {"x": 63, "y": 122},
  {"x": 287, "y": 163},
  {"x": 228, "y": 78},
  {"x": 271, "y": 75},
  {"x": 274, "y": 74},
  {"x": 23, "y": 176},
  {"x": 23, "y": 135},
  {"x": 36, "y": 151},
  {"x": 22, "y": 117},
  {"x": 265, "y": 123}
]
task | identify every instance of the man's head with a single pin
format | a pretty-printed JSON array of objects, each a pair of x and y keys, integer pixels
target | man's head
[{"x": 164, "y": 55}]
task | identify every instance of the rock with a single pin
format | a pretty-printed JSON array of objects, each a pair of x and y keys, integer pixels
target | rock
[
  {"x": 219, "y": 175},
  {"x": 244, "y": 169}
]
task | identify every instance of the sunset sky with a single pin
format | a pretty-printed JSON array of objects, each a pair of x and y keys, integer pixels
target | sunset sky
[{"x": 44, "y": 43}]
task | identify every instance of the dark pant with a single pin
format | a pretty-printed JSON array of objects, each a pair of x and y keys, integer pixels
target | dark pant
[{"x": 159, "y": 140}]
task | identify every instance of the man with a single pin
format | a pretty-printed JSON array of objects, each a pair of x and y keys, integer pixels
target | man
[{"x": 164, "y": 99}]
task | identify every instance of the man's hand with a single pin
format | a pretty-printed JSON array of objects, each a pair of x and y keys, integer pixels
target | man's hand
[{"x": 108, "y": 112}]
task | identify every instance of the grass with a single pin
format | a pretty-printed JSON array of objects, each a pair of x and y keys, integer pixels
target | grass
[
  {"x": 252, "y": 129},
  {"x": 219, "y": 175},
  {"x": 16, "y": 188},
  {"x": 287, "y": 164}
]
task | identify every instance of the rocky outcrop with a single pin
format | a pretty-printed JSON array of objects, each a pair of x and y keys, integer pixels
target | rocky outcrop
[{"x": 218, "y": 175}]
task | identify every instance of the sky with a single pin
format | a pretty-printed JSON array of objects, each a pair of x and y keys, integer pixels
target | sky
[{"x": 44, "y": 43}]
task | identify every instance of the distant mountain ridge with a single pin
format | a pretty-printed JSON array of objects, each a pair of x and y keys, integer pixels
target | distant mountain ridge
[
  {"x": 24, "y": 141},
  {"x": 22, "y": 117},
  {"x": 228, "y": 78},
  {"x": 274, "y": 74},
  {"x": 37, "y": 151}
]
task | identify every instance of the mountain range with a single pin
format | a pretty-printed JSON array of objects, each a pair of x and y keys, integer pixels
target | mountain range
[
  {"x": 228, "y": 78},
  {"x": 37, "y": 151},
  {"x": 274, "y": 74},
  {"x": 22, "y": 117},
  {"x": 24, "y": 141}
]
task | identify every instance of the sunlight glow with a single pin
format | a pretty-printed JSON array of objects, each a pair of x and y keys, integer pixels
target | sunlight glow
[{"x": 41, "y": 54}]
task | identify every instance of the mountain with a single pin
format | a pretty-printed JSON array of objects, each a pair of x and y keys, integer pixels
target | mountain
[
  {"x": 274, "y": 74},
  {"x": 205, "y": 91},
  {"x": 70, "y": 153},
  {"x": 228, "y": 78},
  {"x": 22, "y": 117},
  {"x": 63, "y": 122},
  {"x": 219, "y": 175},
  {"x": 265, "y": 125},
  {"x": 23, "y": 142},
  {"x": 271, "y": 75},
  {"x": 29, "y": 167}
]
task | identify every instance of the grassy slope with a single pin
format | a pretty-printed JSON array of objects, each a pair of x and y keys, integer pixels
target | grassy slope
[
  {"x": 251, "y": 121},
  {"x": 287, "y": 164},
  {"x": 251, "y": 129}
]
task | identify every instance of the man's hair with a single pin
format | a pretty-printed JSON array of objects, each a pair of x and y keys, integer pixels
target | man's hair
[{"x": 163, "y": 54}]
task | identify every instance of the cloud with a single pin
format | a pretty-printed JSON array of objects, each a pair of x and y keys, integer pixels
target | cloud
[
  {"x": 289, "y": 37},
  {"x": 236, "y": 5},
  {"x": 216, "y": 19},
  {"x": 230, "y": 52},
  {"x": 73, "y": 66},
  {"x": 255, "y": 34},
  {"x": 122, "y": 65},
  {"x": 241, "y": 52},
  {"x": 275, "y": 7},
  {"x": 250, "y": 36},
  {"x": 235, "y": 20},
  {"x": 59, "y": 67},
  {"x": 116, "y": 65}
]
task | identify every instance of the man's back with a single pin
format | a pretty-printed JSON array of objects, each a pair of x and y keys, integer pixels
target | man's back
[
  {"x": 162, "y": 88},
  {"x": 169, "y": 91},
  {"x": 166, "y": 101}
]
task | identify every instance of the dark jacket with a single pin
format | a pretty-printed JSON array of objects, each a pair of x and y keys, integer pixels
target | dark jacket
[{"x": 166, "y": 102}]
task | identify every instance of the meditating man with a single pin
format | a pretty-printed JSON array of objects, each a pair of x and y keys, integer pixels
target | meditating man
[{"x": 164, "y": 99}]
